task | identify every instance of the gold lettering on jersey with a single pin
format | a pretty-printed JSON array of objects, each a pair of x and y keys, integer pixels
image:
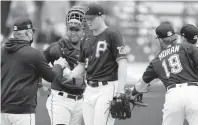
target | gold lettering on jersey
[
  {"x": 101, "y": 47},
  {"x": 169, "y": 51}
]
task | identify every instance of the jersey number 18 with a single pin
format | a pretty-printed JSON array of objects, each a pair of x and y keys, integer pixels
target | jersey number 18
[{"x": 174, "y": 64}]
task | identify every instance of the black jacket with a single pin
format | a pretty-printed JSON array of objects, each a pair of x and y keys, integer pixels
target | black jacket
[{"x": 21, "y": 68}]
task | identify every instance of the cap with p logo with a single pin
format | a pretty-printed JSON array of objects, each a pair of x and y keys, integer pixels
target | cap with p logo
[
  {"x": 95, "y": 10},
  {"x": 164, "y": 30},
  {"x": 190, "y": 32}
]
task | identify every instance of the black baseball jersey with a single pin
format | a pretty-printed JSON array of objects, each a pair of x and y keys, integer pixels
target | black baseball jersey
[
  {"x": 176, "y": 64},
  {"x": 71, "y": 55},
  {"x": 100, "y": 53}
]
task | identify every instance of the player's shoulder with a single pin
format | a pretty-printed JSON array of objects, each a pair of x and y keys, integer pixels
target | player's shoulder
[
  {"x": 156, "y": 59},
  {"x": 33, "y": 53},
  {"x": 87, "y": 39},
  {"x": 187, "y": 45},
  {"x": 184, "y": 46},
  {"x": 112, "y": 31},
  {"x": 64, "y": 42}
]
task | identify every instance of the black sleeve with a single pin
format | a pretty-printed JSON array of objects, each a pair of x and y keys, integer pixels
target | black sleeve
[
  {"x": 57, "y": 69},
  {"x": 149, "y": 74},
  {"x": 44, "y": 70},
  {"x": 117, "y": 46},
  {"x": 193, "y": 52},
  {"x": 81, "y": 58}
]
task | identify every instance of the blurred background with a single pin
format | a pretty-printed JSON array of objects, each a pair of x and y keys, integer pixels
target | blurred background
[{"x": 135, "y": 20}]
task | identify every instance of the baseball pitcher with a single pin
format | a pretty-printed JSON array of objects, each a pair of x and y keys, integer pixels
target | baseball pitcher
[{"x": 103, "y": 58}]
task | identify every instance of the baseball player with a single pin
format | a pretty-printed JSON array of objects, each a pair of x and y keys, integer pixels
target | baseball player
[
  {"x": 103, "y": 58},
  {"x": 176, "y": 65},
  {"x": 65, "y": 102},
  {"x": 189, "y": 34},
  {"x": 21, "y": 68}
]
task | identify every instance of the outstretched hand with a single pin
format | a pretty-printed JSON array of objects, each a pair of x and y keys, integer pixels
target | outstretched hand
[
  {"x": 137, "y": 99},
  {"x": 61, "y": 61}
]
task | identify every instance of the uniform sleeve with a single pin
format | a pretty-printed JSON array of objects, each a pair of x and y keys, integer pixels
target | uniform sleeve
[
  {"x": 117, "y": 46},
  {"x": 81, "y": 58},
  {"x": 44, "y": 70},
  {"x": 193, "y": 52},
  {"x": 149, "y": 75},
  {"x": 53, "y": 52}
]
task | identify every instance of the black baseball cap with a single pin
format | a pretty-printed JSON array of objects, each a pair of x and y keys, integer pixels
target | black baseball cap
[
  {"x": 190, "y": 32},
  {"x": 23, "y": 23},
  {"x": 94, "y": 10},
  {"x": 164, "y": 30}
]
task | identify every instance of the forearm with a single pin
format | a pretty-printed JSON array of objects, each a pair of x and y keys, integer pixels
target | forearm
[
  {"x": 49, "y": 73},
  {"x": 141, "y": 86},
  {"x": 46, "y": 83},
  {"x": 122, "y": 74},
  {"x": 79, "y": 71}
]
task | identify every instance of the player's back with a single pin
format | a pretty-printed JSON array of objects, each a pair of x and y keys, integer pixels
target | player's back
[{"x": 177, "y": 64}]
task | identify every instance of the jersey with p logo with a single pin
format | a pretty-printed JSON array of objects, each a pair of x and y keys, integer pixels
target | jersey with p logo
[
  {"x": 101, "y": 47},
  {"x": 100, "y": 54}
]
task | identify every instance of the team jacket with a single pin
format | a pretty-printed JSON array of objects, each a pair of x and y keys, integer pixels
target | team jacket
[
  {"x": 100, "y": 54},
  {"x": 176, "y": 64},
  {"x": 21, "y": 67},
  {"x": 63, "y": 48}
]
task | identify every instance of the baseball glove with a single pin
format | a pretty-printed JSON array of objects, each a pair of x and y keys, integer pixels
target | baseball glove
[{"x": 122, "y": 105}]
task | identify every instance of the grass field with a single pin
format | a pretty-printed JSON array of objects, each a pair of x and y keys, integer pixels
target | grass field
[{"x": 151, "y": 115}]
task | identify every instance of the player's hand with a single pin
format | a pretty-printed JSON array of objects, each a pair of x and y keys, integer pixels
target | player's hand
[
  {"x": 135, "y": 97},
  {"x": 61, "y": 61},
  {"x": 66, "y": 72}
]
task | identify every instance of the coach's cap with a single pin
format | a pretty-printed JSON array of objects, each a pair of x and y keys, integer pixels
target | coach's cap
[
  {"x": 94, "y": 10},
  {"x": 190, "y": 32},
  {"x": 23, "y": 23},
  {"x": 164, "y": 30}
]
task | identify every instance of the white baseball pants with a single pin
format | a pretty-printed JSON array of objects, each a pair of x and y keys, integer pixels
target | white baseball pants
[
  {"x": 96, "y": 104},
  {"x": 181, "y": 102},
  {"x": 63, "y": 110},
  {"x": 17, "y": 119}
]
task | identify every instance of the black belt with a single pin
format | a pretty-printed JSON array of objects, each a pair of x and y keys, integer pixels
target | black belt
[
  {"x": 188, "y": 84},
  {"x": 96, "y": 83},
  {"x": 75, "y": 97}
]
